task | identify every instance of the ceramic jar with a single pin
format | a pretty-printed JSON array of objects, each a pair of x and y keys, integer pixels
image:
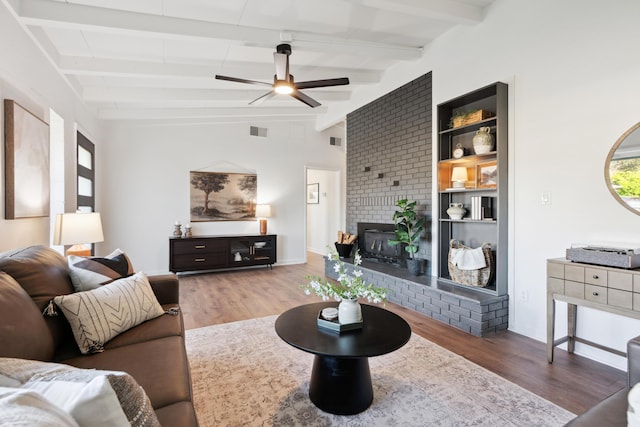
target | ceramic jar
[
  {"x": 349, "y": 311},
  {"x": 483, "y": 141},
  {"x": 456, "y": 210}
]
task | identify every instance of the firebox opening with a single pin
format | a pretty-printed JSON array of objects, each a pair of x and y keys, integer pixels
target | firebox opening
[{"x": 373, "y": 242}]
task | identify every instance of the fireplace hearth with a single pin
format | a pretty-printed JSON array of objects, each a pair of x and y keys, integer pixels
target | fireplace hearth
[{"x": 373, "y": 242}]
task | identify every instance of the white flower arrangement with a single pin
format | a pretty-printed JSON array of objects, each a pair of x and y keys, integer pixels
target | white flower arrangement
[{"x": 349, "y": 287}]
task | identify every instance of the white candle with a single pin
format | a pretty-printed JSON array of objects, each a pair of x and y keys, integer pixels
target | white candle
[{"x": 177, "y": 222}]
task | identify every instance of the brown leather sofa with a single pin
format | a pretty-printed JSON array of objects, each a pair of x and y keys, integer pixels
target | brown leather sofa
[
  {"x": 152, "y": 352},
  {"x": 612, "y": 411}
]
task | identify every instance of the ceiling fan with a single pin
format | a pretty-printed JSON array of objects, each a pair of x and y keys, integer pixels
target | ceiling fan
[{"x": 283, "y": 82}]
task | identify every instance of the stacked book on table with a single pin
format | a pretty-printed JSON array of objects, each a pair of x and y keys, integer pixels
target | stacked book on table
[{"x": 481, "y": 208}]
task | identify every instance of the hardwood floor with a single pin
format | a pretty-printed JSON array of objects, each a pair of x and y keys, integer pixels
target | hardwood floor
[{"x": 572, "y": 382}]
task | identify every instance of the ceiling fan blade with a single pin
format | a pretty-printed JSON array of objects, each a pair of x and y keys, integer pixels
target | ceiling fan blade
[
  {"x": 237, "y": 80},
  {"x": 322, "y": 83},
  {"x": 264, "y": 97},
  {"x": 304, "y": 98},
  {"x": 282, "y": 65}
]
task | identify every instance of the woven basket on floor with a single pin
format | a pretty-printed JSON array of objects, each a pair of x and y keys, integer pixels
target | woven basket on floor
[{"x": 481, "y": 277}]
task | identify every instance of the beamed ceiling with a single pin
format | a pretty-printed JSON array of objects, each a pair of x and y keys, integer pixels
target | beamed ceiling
[{"x": 156, "y": 59}]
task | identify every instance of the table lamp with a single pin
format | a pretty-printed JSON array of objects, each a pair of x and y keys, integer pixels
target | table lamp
[
  {"x": 76, "y": 229},
  {"x": 262, "y": 213},
  {"x": 459, "y": 176}
]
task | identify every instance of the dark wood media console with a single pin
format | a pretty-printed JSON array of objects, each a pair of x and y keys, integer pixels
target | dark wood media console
[{"x": 200, "y": 253}]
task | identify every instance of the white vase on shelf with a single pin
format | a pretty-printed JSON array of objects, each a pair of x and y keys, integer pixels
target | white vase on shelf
[
  {"x": 483, "y": 141},
  {"x": 456, "y": 211}
]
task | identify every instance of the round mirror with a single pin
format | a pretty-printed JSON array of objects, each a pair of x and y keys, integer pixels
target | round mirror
[{"x": 622, "y": 169}]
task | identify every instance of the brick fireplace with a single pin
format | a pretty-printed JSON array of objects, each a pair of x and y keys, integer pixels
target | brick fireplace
[{"x": 389, "y": 157}]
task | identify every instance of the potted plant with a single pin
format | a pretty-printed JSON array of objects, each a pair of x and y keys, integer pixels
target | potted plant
[
  {"x": 409, "y": 228},
  {"x": 346, "y": 289}
]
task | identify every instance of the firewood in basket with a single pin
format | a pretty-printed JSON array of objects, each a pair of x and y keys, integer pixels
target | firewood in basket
[
  {"x": 351, "y": 239},
  {"x": 340, "y": 236}
]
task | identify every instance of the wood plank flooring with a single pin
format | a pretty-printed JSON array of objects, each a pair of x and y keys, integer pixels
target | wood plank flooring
[{"x": 572, "y": 382}]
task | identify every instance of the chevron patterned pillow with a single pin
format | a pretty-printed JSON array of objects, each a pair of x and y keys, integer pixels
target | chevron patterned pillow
[
  {"x": 98, "y": 315},
  {"x": 92, "y": 272}
]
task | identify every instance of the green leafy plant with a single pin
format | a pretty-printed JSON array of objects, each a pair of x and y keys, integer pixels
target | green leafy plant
[
  {"x": 348, "y": 286},
  {"x": 625, "y": 177},
  {"x": 409, "y": 227}
]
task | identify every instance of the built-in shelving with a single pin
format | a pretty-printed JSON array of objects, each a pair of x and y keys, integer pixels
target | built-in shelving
[{"x": 474, "y": 232}]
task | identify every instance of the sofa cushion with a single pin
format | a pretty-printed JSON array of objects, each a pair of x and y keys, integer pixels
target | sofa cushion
[
  {"x": 611, "y": 412},
  {"x": 43, "y": 273},
  {"x": 160, "y": 366},
  {"x": 29, "y": 408},
  {"x": 177, "y": 414},
  {"x": 93, "y": 397},
  {"x": 23, "y": 330},
  {"x": 91, "y": 272},
  {"x": 100, "y": 314},
  {"x": 160, "y": 327}
]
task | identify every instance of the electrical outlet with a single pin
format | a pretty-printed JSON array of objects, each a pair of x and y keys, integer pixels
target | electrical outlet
[{"x": 524, "y": 295}]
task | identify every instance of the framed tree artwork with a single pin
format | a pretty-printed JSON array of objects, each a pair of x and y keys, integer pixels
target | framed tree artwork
[
  {"x": 26, "y": 152},
  {"x": 313, "y": 193},
  {"x": 217, "y": 196}
]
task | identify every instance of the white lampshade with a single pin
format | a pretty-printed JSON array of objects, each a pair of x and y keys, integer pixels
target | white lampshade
[
  {"x": 76, "y": 228},
  {"x": 459, "y": 176},
  {"x": 263, "y": 211}
]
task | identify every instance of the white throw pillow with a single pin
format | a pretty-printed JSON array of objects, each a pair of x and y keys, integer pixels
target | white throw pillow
[
  {"x": 633, "y": 410},
  {"x": 93, "y": 397},
  {"x": 28, "y": 408},
  {"x": 91, "y": 403},
  {"x": 100, "y": 314}
]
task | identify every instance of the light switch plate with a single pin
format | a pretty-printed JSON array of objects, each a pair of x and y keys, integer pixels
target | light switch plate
[{"x": 545, "y": 198}]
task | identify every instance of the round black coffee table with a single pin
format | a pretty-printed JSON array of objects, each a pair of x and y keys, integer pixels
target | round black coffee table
[{"x": 340, "y": 379}]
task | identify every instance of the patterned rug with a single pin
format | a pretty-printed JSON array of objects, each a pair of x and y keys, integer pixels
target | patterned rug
[{"x": 245, "y": 375}]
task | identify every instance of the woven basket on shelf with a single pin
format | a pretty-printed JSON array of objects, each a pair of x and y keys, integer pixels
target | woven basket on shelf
[
  {"x": 481, "y": 277},
  {"x": 472, "y": 117}
]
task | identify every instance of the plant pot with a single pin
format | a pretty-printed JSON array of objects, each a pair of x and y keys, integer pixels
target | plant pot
[
  {"x": 349, "y": 311},
  {"x": 344, "y": 250},
  {"x": 415, "y": 266}
]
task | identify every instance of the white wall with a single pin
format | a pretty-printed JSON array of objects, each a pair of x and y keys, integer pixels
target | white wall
[
  {"x": 574, "y": 85},
  {"x": 28, "y": 78},
  {"x": 326, "y": 218},
  {"x": 145, "y": 177},
  {"x": 573, "y": 81}
]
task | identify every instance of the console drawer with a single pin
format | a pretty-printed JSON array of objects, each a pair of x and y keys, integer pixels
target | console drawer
[
  {"x": 595, "y": 293},
  {"x": 595, "y": 276},
  {"x": 620, "y": 280},
  {"x": 575, "y": 273},
  {"x": 574, "y": 289},
  {"x": 618, "y": 298},
  {"x": 204, "y": 261},
  {"x": 195, "y": 246}
]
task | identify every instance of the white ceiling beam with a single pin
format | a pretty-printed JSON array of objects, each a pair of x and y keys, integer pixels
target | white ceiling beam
[
  {"x": 443, "y": 10},
  {"x": 207, "y": 113},
  {"x": 79, "y": 65},
  {"x": 123, "y": 95},
  {"x": 89, "y": 18}
]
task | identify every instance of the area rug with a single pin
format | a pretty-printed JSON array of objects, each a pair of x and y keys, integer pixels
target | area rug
[{"x": 245, "y": 375}]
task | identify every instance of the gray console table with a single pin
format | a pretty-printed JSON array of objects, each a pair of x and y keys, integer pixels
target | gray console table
[{"x": 614, "y": 290}]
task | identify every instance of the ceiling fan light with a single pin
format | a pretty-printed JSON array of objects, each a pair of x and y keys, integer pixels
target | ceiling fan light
[{"x": 283, "y": 87}]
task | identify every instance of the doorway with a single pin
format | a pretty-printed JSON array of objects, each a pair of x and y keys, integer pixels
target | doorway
[{"x": 325, "y": 215}]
